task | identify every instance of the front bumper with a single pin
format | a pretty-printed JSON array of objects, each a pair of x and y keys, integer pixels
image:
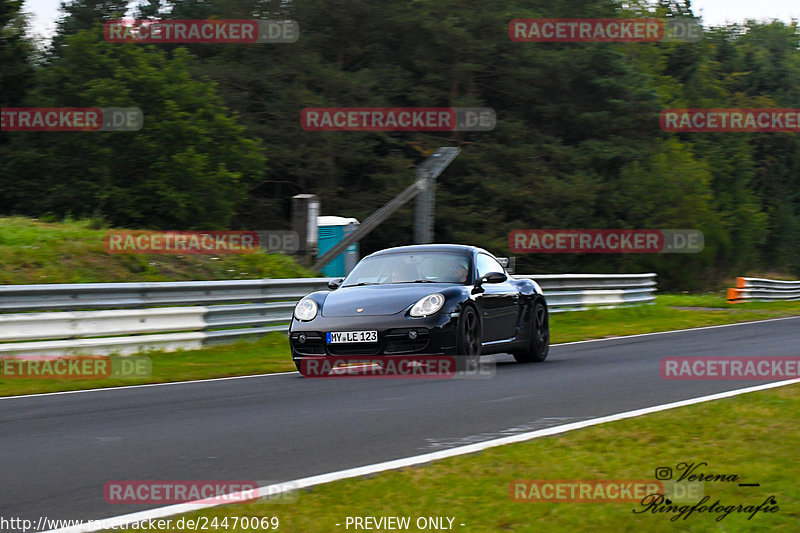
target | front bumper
[{"x": 435, "y": 335}]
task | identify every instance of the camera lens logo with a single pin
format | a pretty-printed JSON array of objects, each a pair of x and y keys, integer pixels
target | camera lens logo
[{"x": 663, "y": 472}]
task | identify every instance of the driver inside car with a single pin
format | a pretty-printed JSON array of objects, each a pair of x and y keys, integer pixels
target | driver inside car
[{"x": 455, "y": 272}]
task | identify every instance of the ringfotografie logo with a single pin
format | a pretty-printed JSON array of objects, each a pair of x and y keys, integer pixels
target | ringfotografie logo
[{"x": 688, "y": 486}]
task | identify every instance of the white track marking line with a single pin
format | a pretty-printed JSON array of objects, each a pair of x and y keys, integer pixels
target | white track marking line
[
  {"x": 274, "y": 490},
  {"x": 296, "y": 372}
]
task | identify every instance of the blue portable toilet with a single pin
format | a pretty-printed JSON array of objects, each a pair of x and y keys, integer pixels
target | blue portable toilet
[{"x": 331, "y": 230}]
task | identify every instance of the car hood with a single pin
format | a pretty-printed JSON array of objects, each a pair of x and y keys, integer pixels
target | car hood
[{"x": 377, "y": 299}]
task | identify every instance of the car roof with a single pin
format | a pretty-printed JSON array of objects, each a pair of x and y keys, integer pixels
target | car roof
[{"x": 418, "y": 248}]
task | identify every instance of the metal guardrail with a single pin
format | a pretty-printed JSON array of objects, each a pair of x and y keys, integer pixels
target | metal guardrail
[
  {"x": 760, "y": 289},
  {"x": 578, "y": 292},
  {"x": 126, "y": 318},
  {"x": 67, "y": 297}
]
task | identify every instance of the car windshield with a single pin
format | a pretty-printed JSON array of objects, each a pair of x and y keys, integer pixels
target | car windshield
[{"x": 424, "y": 267}]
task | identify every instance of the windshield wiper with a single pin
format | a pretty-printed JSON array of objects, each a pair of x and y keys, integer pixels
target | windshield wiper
[{"x": 361, "y": 284}]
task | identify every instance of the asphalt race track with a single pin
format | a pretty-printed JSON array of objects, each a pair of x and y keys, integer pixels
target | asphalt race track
[{"x": 58, "y": 451}]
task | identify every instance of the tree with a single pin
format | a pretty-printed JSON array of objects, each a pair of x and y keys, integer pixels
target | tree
[
  {"x": 83, "y": 15},
  {"x": 15, "y": 54},
  {"x": 190, "y": 166}
]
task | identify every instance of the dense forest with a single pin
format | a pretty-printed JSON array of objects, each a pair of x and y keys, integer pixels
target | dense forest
[{"x": 577, "y": 142}]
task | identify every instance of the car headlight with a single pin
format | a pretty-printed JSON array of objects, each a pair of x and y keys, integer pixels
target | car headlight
[
  {"x": 428, "y": 305},
  {"x": 306, "y": 309}
]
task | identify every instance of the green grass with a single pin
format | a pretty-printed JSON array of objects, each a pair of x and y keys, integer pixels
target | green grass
[
  {"x": 753, "y": 436},
  {"x": 32, "y": 251},
  {"x": 670, "y": 312},
  {"x": 267, "y": 354},
  {"x": 271, "y": 353}
]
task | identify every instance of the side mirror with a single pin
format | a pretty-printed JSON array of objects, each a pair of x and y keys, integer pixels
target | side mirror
[
  {"x": 494, "y": 277},
  {"x": 491, "y": 277},
  {"x": 334, "y": 283}
]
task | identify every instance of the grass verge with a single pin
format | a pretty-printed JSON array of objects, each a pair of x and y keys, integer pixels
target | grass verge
[
  {"x": 32, "y": 251},
  {"x": 266, "y": 354},
  {"x": 670, "y": 312},
  {"x": 753, "y": 436}
]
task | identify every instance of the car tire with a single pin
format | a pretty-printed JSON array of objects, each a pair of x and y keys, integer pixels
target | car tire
[
  {"x": 539, "y": 341},
  {"x": 468, "y": 340}
]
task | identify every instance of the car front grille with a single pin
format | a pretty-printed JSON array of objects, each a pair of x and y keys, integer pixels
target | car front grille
[
  {"x": 397, "y": 340},
  {"x": 394, "y": 341}
]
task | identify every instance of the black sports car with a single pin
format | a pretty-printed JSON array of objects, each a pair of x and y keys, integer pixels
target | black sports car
[{"x": 432, "y": 299}]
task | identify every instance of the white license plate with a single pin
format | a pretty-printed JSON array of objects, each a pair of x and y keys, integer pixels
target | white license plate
[{"x": 335, "y": 337}]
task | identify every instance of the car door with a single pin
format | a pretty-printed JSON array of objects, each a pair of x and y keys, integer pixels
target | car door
[{"x": 499, "y": 302}]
